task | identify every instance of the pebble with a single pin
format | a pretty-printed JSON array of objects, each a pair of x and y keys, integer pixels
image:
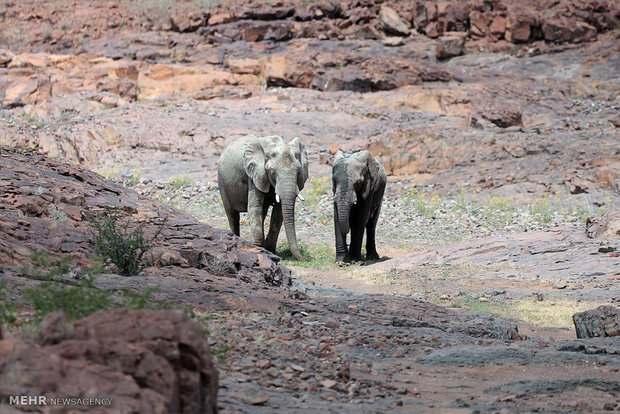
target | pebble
[
  {"x": 328, "y": 383},
  {"x": 297, "y": 368}
]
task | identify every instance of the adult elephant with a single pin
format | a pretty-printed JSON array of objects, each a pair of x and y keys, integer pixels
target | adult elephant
[
  {"x": 359, "y": 183},
  {"x": 255, "y": 173}
]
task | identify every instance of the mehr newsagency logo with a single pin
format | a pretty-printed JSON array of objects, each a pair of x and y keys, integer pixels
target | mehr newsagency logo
[{"x": 44, "y": 400}]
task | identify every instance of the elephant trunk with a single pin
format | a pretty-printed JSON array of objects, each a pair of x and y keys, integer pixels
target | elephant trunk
[
  {"x": 288, "y": 216},
  {"x": 343, "y": 205}
]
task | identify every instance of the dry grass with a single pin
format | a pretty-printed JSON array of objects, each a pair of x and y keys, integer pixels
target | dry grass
[{"x": 551, "y": 313}]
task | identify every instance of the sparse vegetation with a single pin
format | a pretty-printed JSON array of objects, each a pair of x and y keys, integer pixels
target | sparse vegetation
[
  {"x": 317, "y": 187},
  {"x": 180, "y": 182},
  {"x": 77, "y": 301},
  {"x": 548, "y": 313},
  {"x": 56, "y": 214},
  {"x": 316, "y": 256},
  {"x": 119, "y": 245},
  {"x": 551, "y": 312},
  {"x": 7, "y": 307},
  {"x": 83, "y": 299},
  {"x": 421, "y": 204},
  {"x": 67, "y": 114},
  {"x": 493, "y": 308},
  {"x": 34, "y": 121},
  {"x": 43, "y": 266}
]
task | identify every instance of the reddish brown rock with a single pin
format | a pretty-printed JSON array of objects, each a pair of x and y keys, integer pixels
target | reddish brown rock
[
  {"x": 563, "y": 30},
  {"x": 498, "y": 27},
  {"x": 220, "y": 18},
  {"x": 520, "y": 26},
  {"x": 286, "y": 71},
  {"x": 479, "y": 23},
  {"x": 451, "y": 44},
  {"x": 599, "y": 322},
  {"x": 20, "y": 91},
  {"x": 503, "y": 114},
  {"x": 434, "y": 29},
  {"x": 143, "y": 361},
  {"x": 185, "y": 23},
  {"x": 392, "y": 22}
]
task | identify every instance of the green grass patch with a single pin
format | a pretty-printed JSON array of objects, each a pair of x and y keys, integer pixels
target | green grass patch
[
  {"x": 495, "y": 309},
  {"x": 316, "y": 256}
]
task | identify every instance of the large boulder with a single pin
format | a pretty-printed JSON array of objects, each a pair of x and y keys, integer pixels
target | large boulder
[
  {"x": 562, "y": 30},
  {"x": 134, "y": 360},
  {"x": 520, "y": 26},
  {"x": 451, "y": 44},
  {"x": 599, "y": 322},
  {"x": 392, "y": 22}
]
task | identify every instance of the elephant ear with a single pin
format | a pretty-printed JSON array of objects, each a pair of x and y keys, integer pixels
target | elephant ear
[
  {"x": 254, "y": 165},
  {"x": 371, "y": 178},
  {"x": 302, "y": 157}
]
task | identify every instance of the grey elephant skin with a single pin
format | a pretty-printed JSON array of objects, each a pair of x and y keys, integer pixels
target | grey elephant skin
[
  {"x": 359, "y": 183},
  {"x": 256, "y": 173}
]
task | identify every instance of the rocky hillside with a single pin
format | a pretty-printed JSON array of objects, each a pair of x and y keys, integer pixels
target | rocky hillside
[{"x": 497, "y": 123}]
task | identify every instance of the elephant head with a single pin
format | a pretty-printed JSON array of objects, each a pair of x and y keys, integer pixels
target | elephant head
[
  {"x": 353, "y": 177},
  {"x": 269, "y": 162}
]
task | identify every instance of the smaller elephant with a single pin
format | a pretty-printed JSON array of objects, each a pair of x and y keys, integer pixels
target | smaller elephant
[
  {"x": 359, "y": 183},
  {"x": 257, "y": 173}
]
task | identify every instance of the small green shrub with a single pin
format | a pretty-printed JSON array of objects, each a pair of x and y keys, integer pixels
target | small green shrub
[
  {"x": 83, "y": 299},
  {"x": 67, "y": 114},
  {"x": 77, "y": 301},
  {"x": 117, "y": 244}
]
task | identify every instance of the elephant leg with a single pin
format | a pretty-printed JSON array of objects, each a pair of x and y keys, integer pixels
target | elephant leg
[
  {"x": 255, "y": 213},
  {"x": 342, "y": 253},
  {"x": 359, "y": 219},
  {"x": 357, "y": 235},
  {"x": 371, "y": 247},
  {"x": 233, "y": 221},
  {"x": 274, "y": 228}
]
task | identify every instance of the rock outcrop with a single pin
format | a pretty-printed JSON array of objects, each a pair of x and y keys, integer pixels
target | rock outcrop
[
  {"x": 128, "y": 361},
  {"x": 600, "y": 322},
  {"x": 50, "y": 215}
]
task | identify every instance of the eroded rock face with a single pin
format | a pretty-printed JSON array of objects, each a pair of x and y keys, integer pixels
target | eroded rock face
[
  {"x": 144, "y": 361},
  {"x": 599, "y": 322}
]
